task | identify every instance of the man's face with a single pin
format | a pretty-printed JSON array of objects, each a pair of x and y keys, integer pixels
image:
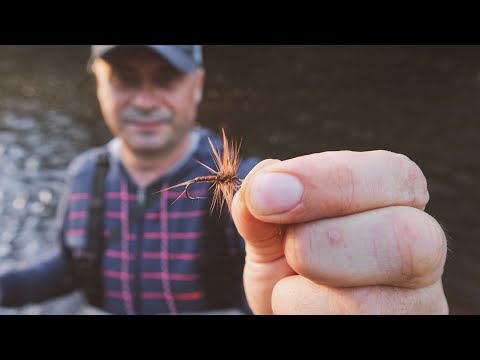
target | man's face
[{"x": 145, "y": 101}]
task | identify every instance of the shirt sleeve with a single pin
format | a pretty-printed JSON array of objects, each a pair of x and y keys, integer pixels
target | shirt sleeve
[
  {"x": 48, "y": 277},
  {"x": 41, "y": 281}
]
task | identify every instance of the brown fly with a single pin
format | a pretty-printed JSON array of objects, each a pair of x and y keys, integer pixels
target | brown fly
[{"x": 225, "y": 179}]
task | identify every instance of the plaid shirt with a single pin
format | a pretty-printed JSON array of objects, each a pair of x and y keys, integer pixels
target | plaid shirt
[{"x": 152, "y": 266}]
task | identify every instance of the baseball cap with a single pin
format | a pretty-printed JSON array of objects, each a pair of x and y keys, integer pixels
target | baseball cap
[{"x": 186, "y": 58}]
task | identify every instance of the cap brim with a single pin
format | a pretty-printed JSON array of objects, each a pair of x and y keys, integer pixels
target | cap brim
[{"x": 173, "y": 55}]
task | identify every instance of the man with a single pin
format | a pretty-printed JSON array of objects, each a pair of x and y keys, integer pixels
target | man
[{"x": 328, "y": 233}]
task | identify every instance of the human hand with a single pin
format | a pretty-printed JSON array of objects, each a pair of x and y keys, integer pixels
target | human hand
[{"x": 340, "y": 233}]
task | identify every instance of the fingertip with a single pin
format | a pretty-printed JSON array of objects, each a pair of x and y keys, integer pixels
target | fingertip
[
  {"x": 273, "y": 193},
  {"x": 239, "y": 198},
  {"x": 236, "y": 206},
  {"x": 249, "y": 227},
  {"x": 239, "y": 208},
  {"x": 238, "y": 202}
]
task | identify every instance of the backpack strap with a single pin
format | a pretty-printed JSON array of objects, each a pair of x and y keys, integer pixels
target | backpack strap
[
  {"x": 216, "y": 265},
  {"x": 87, "y": 265}
]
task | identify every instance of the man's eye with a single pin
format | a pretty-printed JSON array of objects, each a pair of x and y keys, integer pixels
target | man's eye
[
  {"x": 126, "y": 79},
  {"x": 166, "y": 79}
]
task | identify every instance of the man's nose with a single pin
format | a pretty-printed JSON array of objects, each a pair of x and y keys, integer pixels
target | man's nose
[{"x": 147, "y": 97}]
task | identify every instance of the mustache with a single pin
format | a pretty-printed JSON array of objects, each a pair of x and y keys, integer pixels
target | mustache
[{"x": 161, "y": 115}]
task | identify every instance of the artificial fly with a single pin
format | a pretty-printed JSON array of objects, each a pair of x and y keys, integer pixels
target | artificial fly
[{"x": 225, "y": 179}]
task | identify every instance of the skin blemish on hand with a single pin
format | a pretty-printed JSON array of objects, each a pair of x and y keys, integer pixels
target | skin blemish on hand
[{"x": 334, "y": 237}]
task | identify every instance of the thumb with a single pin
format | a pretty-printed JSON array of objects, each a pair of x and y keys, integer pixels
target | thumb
[
  {"x": 265, "y": 262},
  {"x": 263, "y": 240}
]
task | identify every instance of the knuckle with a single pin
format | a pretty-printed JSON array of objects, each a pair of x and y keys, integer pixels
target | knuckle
[
  {"x": 341, "y": 178},
  {"x": 437, "y": 240},
  {"x": 299, "y": 249},
  {"x": 414, "y": 182},
  {"x": 421, "y": 246},
  {"x": 290, "y": 296},
  {"x": 357, "y": 301}
]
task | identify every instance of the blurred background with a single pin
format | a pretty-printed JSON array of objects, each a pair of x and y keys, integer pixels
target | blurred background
[{"x": 284, "y": 101}]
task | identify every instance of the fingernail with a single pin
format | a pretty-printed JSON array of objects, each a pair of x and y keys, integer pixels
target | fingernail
[{"x": 274, "y": 193}]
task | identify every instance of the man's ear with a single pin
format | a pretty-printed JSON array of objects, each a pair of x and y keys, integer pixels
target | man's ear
[{"x": 92, "y": 70}]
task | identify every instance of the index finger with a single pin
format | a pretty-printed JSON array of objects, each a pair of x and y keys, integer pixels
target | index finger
[{"x": 332, "y": 184}]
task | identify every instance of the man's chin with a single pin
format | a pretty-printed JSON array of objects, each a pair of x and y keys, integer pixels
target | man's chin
[
  {"x": 151, "y": 150},
  {"x": 154, "y": 146}
]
